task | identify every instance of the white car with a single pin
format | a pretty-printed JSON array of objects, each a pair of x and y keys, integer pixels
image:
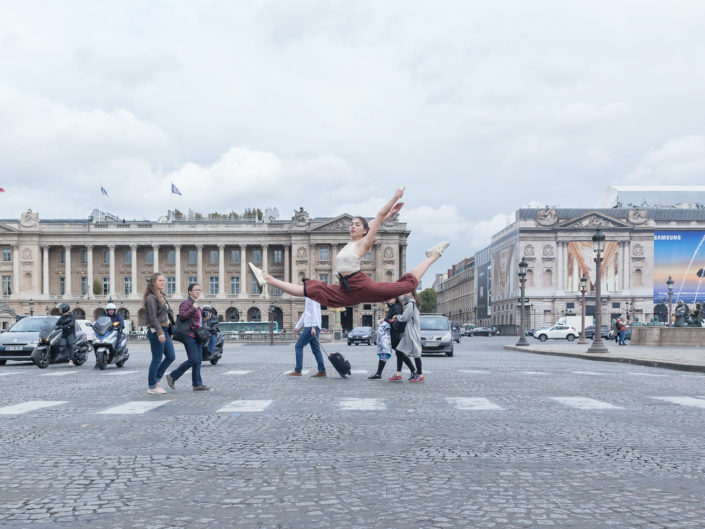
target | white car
[
  {"x": 90, "y": 335},
  {"x": 557, "y": 332}
]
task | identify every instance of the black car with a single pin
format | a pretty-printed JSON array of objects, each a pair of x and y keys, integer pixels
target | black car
[
  {"x": 362, "y": 335},
  {"x": 18, "y": 342},
  {"x": 590, "y": 331},
  {"x": 482, "y": 331}
]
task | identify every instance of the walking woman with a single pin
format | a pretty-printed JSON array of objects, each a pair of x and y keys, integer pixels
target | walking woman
[
  {"x": 395, "y": 333},
  {"x": 160, "y": 343},
  {"x": 189, "y": 310},
  {"x": 355, "y": 286},
  {"x": 410, "y": 344}
]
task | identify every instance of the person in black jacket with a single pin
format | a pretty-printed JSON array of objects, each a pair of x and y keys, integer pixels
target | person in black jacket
[
  {"x": 67, "y": 324},
  {"x": 396, "y": 332},
  {"x": 210, "y": 322}
]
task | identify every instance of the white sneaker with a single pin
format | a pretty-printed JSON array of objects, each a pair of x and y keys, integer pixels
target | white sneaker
[
  {"x": 439, "y": 248},
  {"x": 156, "y": 391},
  {"x": 259, "y": 276}
]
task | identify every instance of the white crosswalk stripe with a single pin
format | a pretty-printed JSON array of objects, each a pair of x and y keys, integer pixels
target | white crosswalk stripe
[
  {"x": 473, "y": 371},
  {"x": 584, "y": 403},
  {"x": 360, "y": 371},
  {"x": 240, "y": 406},
  {"x": 534, "y": 373},
  {"x": 684, "y": 401},
  {"x": 8, "y": 374},
  {"x": 237, "y": 372},
  {"x": 119, "y": 373},
  {"x": 134, "y": 407},
  {"x": 587, "y": 373},
  {"x": 639, "y": 374},
  {"x": 472, "y": 403},
  {"x": 303, "y": 371},
  {"x": 352, "y": 404},
  {"x": 58, "y": 374},
  {"x": 30, "y": 405}
]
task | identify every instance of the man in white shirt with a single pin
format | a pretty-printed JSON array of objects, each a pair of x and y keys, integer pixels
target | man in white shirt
[{"x": 310, "y": 323}]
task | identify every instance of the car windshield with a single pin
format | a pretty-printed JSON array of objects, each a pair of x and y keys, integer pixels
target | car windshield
[
  {"x": 434, "y": 323},
  {"x": 362, "y": 329},
  {"x": 32, "y": 324}
]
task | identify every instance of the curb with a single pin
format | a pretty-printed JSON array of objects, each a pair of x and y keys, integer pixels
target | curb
[{"x": 621, "y": 359}]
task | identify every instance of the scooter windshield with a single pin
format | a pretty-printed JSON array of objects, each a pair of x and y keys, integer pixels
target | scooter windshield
[
  {"x": 46, "y": 330},
  {"x": 103, "y": 325}
]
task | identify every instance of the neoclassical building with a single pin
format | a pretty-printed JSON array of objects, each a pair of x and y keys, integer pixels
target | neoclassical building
[
  {"x": 455, "y": 292},
  {"x": 86, "y": 262}
]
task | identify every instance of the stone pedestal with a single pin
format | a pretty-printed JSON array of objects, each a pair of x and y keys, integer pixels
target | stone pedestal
[{"x": 669, "y": 336}]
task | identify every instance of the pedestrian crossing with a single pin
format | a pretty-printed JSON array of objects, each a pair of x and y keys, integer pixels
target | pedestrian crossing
[{"x": 346, "y": 404}]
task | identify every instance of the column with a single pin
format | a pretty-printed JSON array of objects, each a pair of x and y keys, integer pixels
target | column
[
  {"x": 45, "y": 271},
  {"x": 89, "y": 249},
  {"x": 177, "y": 268},
  {"x": 627, "y": 265},
  {"x": 265, "y": 255},
  {"x": 332, "y": 256},
  {"x": 111, "y": 247},
  {"x": 155, "y": 260},
  {"x": 402, "y": 259},
  {"x": 287, "y": 267},
  {"x": 16, "y": 270},
  {"x": 133, "y": 271},
  {"x": 559, "y": 265},
  {"x": 243, "y": 271},
  {"x": 379, "y": 264},
  {"x": 199, "y": 265},
  {"x": 67, "y": 273},
  {"x": 221, "y": 271}
]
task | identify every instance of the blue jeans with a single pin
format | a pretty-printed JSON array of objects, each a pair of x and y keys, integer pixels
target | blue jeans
[
  {"x": 302, "y": 342},
  {"x": 211, "y": 343},
  {"x": 162, "y": 356},
  {"x": 622, "y": 334},
  {"x": 194, "y": 352}
]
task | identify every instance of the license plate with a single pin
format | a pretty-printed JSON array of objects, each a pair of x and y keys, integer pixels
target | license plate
[{"x": 14, "y": 347}]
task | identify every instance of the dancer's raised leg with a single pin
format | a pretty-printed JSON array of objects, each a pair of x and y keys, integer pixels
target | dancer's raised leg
[
  {"x": 263, "y": 278},
  {"x": 432, "y": 255}
]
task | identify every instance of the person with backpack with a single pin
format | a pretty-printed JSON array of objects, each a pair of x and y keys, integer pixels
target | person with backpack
[{"x": 395, "y": 329}]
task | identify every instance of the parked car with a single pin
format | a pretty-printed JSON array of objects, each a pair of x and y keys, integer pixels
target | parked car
[
  {"x": 590, "y": 331},
  {"x": 18, "y": 342},
  {"x": 436, "y": 334},
  {"x": 467, "y": 330},
  {"x": 455, "y": 331},
  {"x": 483, "y": 331},
  {"x": 557, "y": 332},
  {"x": 362, "y": 335}
]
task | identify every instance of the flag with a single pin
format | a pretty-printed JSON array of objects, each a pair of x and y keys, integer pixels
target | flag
[
  {"x": 104, "y": 191},
  {"x": 175, "y": 189}
]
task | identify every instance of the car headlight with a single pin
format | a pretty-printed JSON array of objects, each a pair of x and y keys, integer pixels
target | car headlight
[{"x": 447, "y": 337}]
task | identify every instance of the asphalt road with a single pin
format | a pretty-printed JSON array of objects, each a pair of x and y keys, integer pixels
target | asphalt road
[{"x": 493, "y": 438}]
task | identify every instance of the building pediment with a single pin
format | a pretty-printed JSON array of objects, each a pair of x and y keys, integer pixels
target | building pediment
[
  {"x": 7, "y": 229},
  {"x": 592, "y": 220},
  {"x": 339, "y": 223}
]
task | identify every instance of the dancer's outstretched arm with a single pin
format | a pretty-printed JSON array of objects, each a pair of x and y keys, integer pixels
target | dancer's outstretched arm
[{"x": 390, "y": 208}]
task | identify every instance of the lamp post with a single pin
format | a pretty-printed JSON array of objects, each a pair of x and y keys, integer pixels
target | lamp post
[
  {"x": 523, "y": 265},
  {"x": 271, "y": 324},
  {"x": 670, "y": 299},
  {"x": 583, "y": 290},
  {"x": 31, "y": 307},
  {"x": 598, "y": 245}
]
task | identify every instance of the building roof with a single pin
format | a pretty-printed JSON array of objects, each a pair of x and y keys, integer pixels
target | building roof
[{"x": 657, "y": 214}]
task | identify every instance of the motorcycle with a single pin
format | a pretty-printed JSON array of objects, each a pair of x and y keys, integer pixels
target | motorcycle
[
  {"x": 109, "y": 345},
  {"x": 52, "y": 348},
  {"x": 217, "y": 350}
]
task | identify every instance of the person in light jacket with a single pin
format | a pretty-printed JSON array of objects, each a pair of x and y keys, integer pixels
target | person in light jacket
[{"x": 410, "y": 344}]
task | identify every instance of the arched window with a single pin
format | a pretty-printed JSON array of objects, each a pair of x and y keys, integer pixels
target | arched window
[
  {"x": 232, "y": 314},
  {"x": 548, "y": 278},
  {"x": 254, "y": 314}
]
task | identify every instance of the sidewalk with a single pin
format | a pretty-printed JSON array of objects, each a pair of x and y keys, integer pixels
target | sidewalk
[{"x": 683, "y": 358}]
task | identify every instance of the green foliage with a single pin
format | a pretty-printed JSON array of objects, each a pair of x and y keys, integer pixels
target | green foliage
[
  {"x": 220, "y": 317},
  {"x": 428, "y": 300},
  {"x": 97, "y": 288}
]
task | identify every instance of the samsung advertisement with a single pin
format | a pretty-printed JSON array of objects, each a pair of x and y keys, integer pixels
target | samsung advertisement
[{"x": 681, "y": 255}]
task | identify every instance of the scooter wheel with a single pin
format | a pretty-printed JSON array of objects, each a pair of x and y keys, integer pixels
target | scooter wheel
[
  {"x": 43, "y": 361},
  {"x": 80, "y": 359},
  {"x": 119, "y": 364},
  {"x": 215, "y": 360},
  {"x": 102, "y": 360}
]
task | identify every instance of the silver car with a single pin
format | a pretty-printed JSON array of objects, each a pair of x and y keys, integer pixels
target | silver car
[{"x": 436, "y": 334}]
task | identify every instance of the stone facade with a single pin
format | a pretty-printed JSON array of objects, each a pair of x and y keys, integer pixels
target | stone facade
[
  {"x": 87, "y": 262},
  {"x": 455, "y": 292}
]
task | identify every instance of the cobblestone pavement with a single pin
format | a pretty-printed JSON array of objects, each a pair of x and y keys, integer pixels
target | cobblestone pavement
[{"x": 493, "y": 438}]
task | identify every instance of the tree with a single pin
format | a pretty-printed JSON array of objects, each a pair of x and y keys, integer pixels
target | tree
[
  {"x": 428, "y": 300},
  {"x": 97, "y": 288}
]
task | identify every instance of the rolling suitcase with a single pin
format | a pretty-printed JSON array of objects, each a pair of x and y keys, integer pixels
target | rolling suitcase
[{"x": 340, "y": 363}]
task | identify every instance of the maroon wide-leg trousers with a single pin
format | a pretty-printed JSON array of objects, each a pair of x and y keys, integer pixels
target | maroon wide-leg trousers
[{"x": 357, "y": 288}]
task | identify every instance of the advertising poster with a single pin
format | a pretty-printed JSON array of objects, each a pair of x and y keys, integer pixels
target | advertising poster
[
  {"x": 503, "y": 272},
  {"x": 483, "y": 286},
  {"x": 581, "y": 260},
  {"x": 680, "y": 254}
]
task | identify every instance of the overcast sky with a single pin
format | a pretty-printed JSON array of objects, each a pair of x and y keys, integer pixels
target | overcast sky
[{"x": 478, "y": 108}]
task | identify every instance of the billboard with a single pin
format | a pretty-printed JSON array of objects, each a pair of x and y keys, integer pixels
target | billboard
[
  {"x": 581, "y": 260},
  {"x": 680, "y": 254},
  {"x": 503, "y": 273},
  {"x": 483, "y": 291}
]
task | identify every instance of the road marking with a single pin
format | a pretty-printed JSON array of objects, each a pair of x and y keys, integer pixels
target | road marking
[
  {"x": 474, "y": 371},
  {"x": 58, "y": 374},
  {"x": 472, "y": 403},
  {"x": 684, "y": 401},
  {"x": 534, "y": 373},
  {"x": 8, "y": 374},
  {"x": 362, "y": 404},
  {"x": 584, "y": 403},
  {"x": 119, "y": 373},
  {"x": 587, "y": 373},
  {"x": 303, "y": 372},
  {"x": 239, "y": 406},
  {"x": 237, "y": 372},
  {"x": 360, "y": 371},
  {"x": 134, "y": 407},
  {"x": 30, "y": 405},
  {"x": 636, "y": 373}
]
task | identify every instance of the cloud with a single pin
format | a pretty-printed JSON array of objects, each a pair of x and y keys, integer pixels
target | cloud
[{"x": 678, "y": 161}]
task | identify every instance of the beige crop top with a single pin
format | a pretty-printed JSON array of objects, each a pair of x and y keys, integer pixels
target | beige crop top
[{"x": 347, "y": 261}]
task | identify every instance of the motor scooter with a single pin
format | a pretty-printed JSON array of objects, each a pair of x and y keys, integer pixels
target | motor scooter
[
  {"x": 109, "y": 345},
  {"x": 217, "y": 350},
  {"x": 52, "y": 347}
]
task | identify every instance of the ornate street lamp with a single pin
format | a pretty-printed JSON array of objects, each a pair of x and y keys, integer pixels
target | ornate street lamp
[
  {"x": 598, "y": 245},
  {"x": 523, "y": 265},
  {"x": 31, "y": 307},
  {"x": 670, "y": 299},
  {"x": 583, "y": 290}
]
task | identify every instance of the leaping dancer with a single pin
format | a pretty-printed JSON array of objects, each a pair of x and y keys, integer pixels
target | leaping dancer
[{"x": 355, "y": 286}]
